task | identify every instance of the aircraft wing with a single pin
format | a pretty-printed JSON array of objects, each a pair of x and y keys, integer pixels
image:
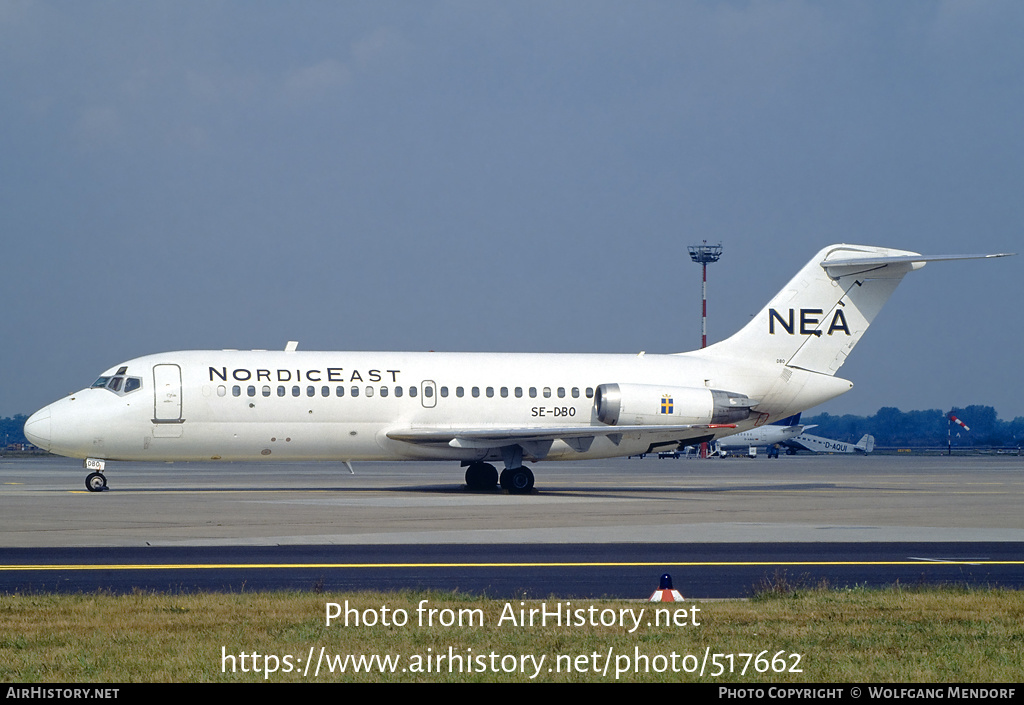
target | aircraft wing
[{"x": 535, "y": 440}]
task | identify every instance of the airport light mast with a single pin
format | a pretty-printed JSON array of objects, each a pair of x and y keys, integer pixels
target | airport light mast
[{"x": 704, "y": 255}]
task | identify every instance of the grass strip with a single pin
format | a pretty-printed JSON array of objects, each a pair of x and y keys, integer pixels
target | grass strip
[{"x": 785, "y": 634}]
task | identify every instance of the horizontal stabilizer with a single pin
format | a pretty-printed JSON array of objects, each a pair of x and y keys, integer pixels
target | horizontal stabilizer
[{"x": 904, "y": 259}]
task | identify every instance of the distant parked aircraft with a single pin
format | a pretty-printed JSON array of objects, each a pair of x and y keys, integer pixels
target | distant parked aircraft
[
  {"x": 815, "y": 444},
  {"x": 771, "y": 436}
]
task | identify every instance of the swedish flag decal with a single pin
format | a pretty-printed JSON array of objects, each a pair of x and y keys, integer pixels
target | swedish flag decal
[{"x": 666, "y": 404}]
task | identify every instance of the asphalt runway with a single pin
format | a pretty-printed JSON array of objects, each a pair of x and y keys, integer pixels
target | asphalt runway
[{"x": 722, "y": 527}]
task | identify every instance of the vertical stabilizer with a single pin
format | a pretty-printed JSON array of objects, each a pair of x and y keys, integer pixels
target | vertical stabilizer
[
  {"x": 866, "y": 444},
  {"x": 821, "y": 314}
]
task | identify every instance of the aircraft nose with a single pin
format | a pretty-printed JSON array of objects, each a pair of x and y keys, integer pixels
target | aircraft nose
[{"x": 37, "y": 428}]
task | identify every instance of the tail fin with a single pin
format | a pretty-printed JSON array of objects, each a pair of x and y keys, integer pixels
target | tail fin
[
  {"x": 866, "y": 444},
  {"x": 793, "y": 420},
  {"x": 821, "y": 314}
]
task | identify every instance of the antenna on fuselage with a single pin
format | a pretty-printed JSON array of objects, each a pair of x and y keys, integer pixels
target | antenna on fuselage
[{"x": 292, "y": 346}]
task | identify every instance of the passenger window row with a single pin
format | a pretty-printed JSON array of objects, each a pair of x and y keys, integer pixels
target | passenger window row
[{"x": 384, "y": 391}]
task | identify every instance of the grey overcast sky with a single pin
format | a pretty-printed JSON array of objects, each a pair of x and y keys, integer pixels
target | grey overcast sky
[{"x": 504, "y": 176}]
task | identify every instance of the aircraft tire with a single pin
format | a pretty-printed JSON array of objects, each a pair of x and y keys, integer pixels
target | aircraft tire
[
  {"x": 481, "y": 476},
  {"x": 517, "y": 480},
  {"x": 96, "y": 482},
  {"x": 491, "y": 476}
]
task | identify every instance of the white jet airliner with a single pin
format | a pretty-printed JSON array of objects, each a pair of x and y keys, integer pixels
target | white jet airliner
[
  {"x": 479, "y": 407},
  {"x": 769, "y": 436}
]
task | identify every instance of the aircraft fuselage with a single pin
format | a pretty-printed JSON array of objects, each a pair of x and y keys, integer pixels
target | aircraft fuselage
[{"x": 259, "y": 405}]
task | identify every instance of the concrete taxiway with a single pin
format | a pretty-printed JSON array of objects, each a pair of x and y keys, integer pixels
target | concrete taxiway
[
  {"x": 591, "y": 529},
  {"x": 43, "y": 502}
]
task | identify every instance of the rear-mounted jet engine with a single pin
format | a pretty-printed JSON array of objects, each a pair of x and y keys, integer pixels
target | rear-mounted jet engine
[{"x": 653, "y": 404}]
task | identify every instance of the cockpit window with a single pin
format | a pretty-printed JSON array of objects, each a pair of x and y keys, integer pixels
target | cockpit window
[{"x": 119, "y": 384}]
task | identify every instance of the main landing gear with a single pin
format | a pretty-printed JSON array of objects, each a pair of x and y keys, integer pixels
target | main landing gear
[{"x": 484, "y": 476}]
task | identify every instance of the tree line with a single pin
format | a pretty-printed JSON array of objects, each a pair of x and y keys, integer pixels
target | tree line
[
  {"x": 12, "y": 429},
  {"x": 894, "y": 428}
]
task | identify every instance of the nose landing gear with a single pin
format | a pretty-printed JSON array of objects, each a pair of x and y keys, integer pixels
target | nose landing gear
[{"x": 96, "y": 482}]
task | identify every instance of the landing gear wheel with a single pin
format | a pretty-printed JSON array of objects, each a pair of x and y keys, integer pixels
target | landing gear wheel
[
  {"x": 481, "y": 476},
  {"x": 517, "y": 480},
  {"x": 96, "y": 482}
]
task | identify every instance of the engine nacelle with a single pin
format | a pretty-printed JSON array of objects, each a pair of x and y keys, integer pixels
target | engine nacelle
[{"x": 648, "y": 404}]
